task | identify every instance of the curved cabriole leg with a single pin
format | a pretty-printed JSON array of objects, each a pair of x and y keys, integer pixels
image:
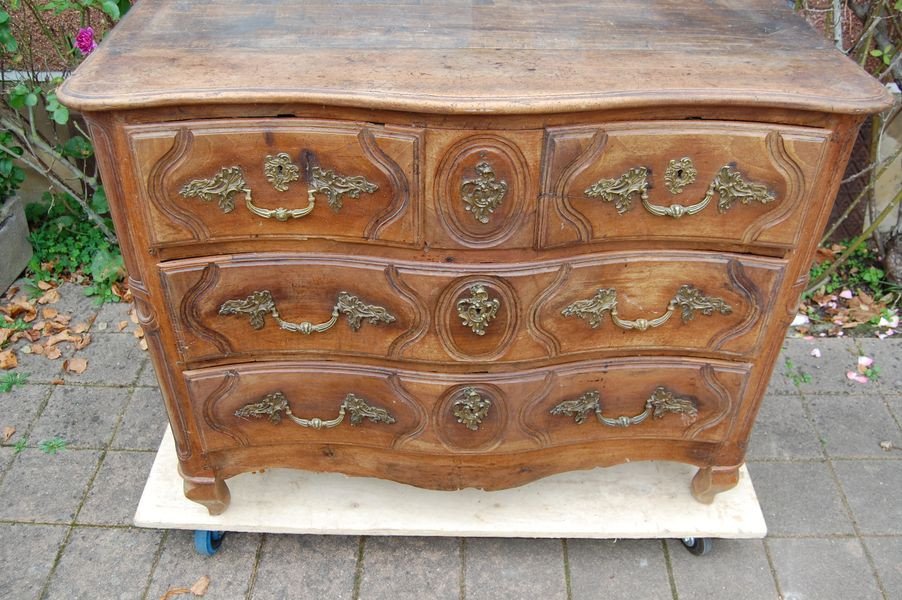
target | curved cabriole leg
[
  {"x": 710, "y": 481},
  {"x": 212, "y": 492}
]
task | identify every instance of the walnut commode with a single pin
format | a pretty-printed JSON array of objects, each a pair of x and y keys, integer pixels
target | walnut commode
[{"x": 466, "y": 244}]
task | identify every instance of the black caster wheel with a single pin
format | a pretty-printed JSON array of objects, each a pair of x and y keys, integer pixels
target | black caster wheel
[
  {"x": 207, "y": 542},
  {"x": 698, "y": 546}
]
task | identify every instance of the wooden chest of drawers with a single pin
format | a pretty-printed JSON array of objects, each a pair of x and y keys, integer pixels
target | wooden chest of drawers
[{"x": 466, "y": 244}]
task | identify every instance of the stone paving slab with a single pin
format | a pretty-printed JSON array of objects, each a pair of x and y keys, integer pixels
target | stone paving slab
[
  {"x": 27, "y": 553},
  {"x": 783, "y": 431},
  {"x": 20, "y": 409},
  {"x": 85, "y": 417},
  {"x": 116, "y": 488},
  {"x": 306, "y": 567},
  {"x": 886, "y": 553},
  {"x": 143, "y": 421},
  {"x": 874, "y": 492},
  {"x": 736, "y": 569},
  {"x": 411, "y": 568},
  {"x": 42, "y": 488},
  {"x": 617, "y": 569},
  {"x": 514, "y": 568},
  {"x": 823, "y": 568},
  {"x": 853, "y": 426},
  {"x": 108, "y": 563},
  {"x": 114, "y": 359},
  {"x": 229, "y": 570},
  {"x": 800, "y": 499}
]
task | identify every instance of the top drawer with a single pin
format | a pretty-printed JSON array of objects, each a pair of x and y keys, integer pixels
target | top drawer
[
  {"x": 227, "y": 180},
  {"x": 699, "y": 182}
]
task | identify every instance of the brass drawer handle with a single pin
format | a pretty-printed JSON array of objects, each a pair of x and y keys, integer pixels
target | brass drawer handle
[
  {"x": 273, "y": 405},
  {"x": 688, "y": 298},
  {"x": 229, "y": 182},
  {"x": 658, "y": 404},
  {"x": 728, "y": 184},
  {"x": 261, "y": 302}
]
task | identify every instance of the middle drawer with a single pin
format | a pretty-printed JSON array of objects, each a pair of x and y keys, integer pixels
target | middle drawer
[{"x": 257, "y": 307}]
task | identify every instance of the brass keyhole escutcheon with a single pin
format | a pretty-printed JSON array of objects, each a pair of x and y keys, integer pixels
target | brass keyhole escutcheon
[{"x": 477, "y": 311}]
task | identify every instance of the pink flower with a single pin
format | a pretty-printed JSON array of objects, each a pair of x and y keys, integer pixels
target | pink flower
[{"x": 84, "y": 41}]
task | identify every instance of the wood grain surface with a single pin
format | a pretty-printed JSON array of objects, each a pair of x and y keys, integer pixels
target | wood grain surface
[{"x": 469, "y": 56}]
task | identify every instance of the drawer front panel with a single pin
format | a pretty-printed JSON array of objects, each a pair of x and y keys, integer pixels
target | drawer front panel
[
  {"x": 227, "y": 180},
  {"x": 254, "y": 307},
  {"x": 628, "y": 398},
  {"x": 702, "y": 182},
  {"x": 484, "y": 187}
]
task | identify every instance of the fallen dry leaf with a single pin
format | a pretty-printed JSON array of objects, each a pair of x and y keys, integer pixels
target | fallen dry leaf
[
  {"x": 31, "y": 335},
  {"x": 886, "y": 445},
  {"x": 82, "y": 341},
  {"x": 53, "y": 353},
  {"x": 20, "y": 308},
  {"x": 75, "y": 365},
  {"x": 45, "y": 285},
  {"x": 7, "y": 433},
  {"x": 138, "y": 332},
  {"x": 133, "y": 316},
  {"x": 200, "y": 586},
  {"x": 50, "y": 297},
  {"x": 57, "y": 381},
  {"x": 143, "y": 344},
  {"x": 8, "y": 360},
  {"x": 121, "y": 325},
  {"x": 35, "y": 348},
  {"x": 173, "y": 592},
  {"x": 62, "y": 319},
  {"x": 4, "y": 335},
  {"x": 63, "y": 336},
  {"x": 50, "y": 313},
  {"x": 81, "y": 328}
]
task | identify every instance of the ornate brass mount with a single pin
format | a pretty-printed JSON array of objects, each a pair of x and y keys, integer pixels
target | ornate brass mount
[
  {"x": 484, "y": 194},
  {"x": 273, "y": 405},
  {"x": 688, "y": 298},
  {"x": 728, "y": 184},
  {"x": 658, "y": 404},
  {"x": 679, "y": 174},
  {"x": 477, "y": 311},
  {"x": 259, "y": 303},
  {"x": 280, "y": 171},
  {"x": 471, "y": 408},
  {"x": 224, "y": 185}
]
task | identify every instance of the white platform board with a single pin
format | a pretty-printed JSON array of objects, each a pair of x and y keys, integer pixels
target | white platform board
[{"x": 635, "y": 500}]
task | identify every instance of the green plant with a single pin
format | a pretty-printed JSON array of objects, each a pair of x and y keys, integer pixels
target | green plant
[
  {"x": 52, "y": 446},
  {"x": 20, "y": 444},
  {"x": 65, "y": 246},
  {"x": 11, "y": 380},
  {"x": 860, "y": 270},
  {"x": 11, "y": 176},
  {"x": 795, "y": 374}
]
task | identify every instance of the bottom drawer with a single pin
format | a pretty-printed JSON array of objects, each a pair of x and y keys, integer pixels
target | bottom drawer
[{"x": 642, "y": 398}]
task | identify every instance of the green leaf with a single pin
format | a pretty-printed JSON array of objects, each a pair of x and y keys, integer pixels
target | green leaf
[
  {"x": 898, "y": 5},
  {"x": 876, "y": 52},
  {"x": 99, "y": 202},
  {"x": 111, "y": 8},
  {"x": 124, "y": 5},
  {"x": 61, "y": 115},
  {"x": 31, "y": 99},
  {"x": 4, "y": 17},
  {"x": 77, "y": 147},
  {"x": 106, "y": 266}
]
